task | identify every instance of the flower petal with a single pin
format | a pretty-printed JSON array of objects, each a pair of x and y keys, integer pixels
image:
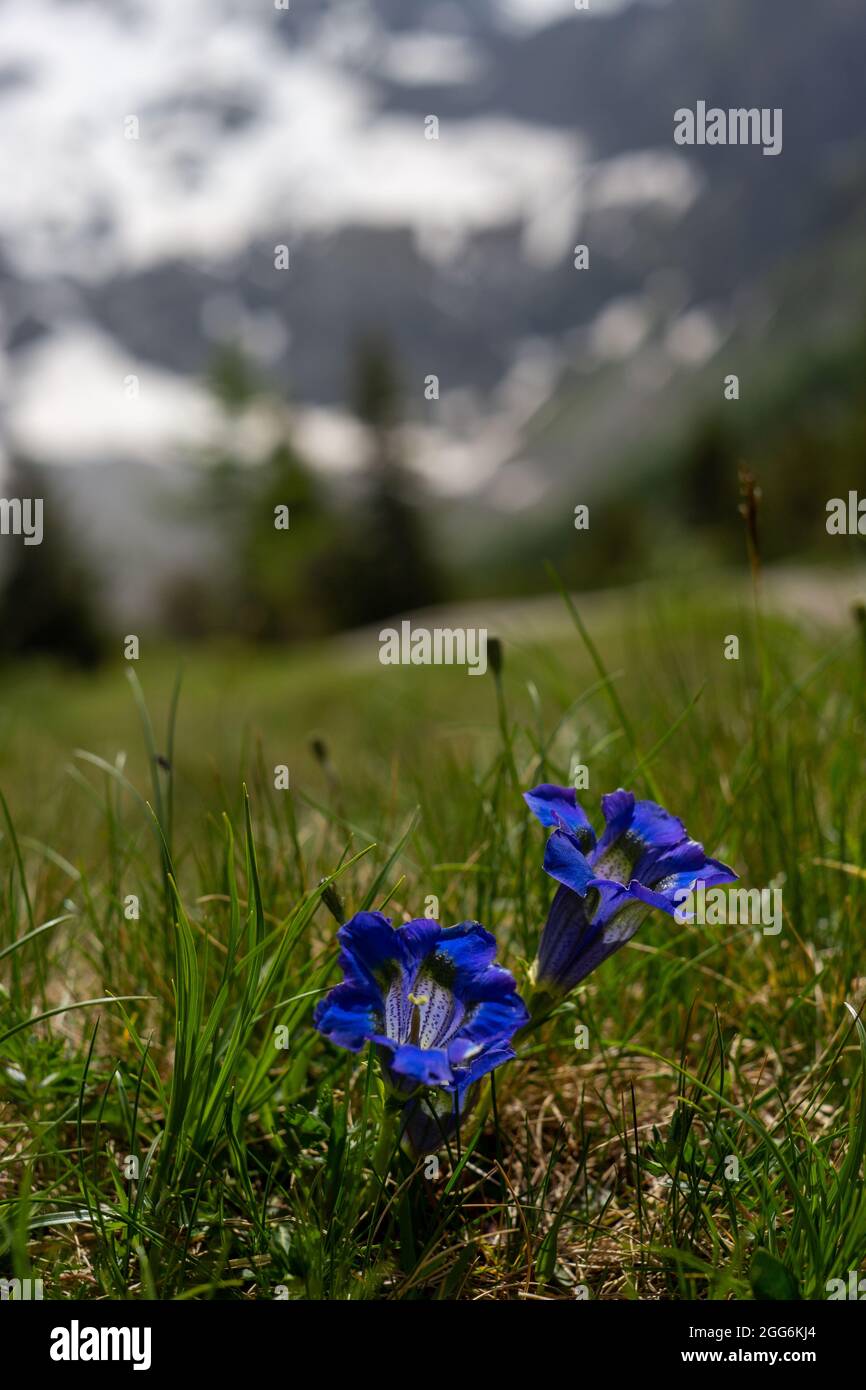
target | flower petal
[
  {"x": 349, "y": 1015},
  {"x": 469, "y": 948},
  {"x": 418, "y": 938},
  {"x": 566, "y": 933},
  {"x": 492, "y": 1022},
  {"x": 617, "y": 808},
  {"x": 668, "y": 892},
  {"x": 440, "y": 1012},
  {"x": 572, "y": 946},
  {"x": 372, "y": 950},
  {"x": 428, "y": 1066},
  {"x": 371, "y": 943},
  {"x": 565, "y": 861},
  {"x": 635, "y": 835},
  {"x": 558, "y": 807},
  {"x": 485, "y": 1063}
]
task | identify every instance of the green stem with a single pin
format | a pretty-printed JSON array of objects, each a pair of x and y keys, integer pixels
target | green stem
[
  {"x": 385, "y": 1144},
  {"x": 383, "y": 1154}
]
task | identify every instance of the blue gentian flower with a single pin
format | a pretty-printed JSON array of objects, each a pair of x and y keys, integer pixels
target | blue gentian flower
[
  {"x": 430, "y": 998},
  {"x": 644, "y": 859}
]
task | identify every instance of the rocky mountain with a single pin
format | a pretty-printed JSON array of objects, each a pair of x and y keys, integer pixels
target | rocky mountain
[{"x": 156, "y": 156}]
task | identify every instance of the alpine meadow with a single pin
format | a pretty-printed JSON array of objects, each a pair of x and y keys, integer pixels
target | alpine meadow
[{"x": 687, "y": 1123}]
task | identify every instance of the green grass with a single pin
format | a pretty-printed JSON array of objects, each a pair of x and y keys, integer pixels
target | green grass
[{"x": 709, "y": 1140}]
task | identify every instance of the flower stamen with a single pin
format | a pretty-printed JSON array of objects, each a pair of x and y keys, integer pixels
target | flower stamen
[{"x": 416, "y": 1000}]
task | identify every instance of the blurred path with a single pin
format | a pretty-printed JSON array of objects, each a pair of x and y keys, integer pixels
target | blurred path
[{"x": 815, "y": 596}]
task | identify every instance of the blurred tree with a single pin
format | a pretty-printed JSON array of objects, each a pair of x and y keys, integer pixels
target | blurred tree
[
  {"x": 233, "y": 379},
  {"x": 47, "y": 595},
  {"x": 287, "y": 528},
  {"x": 274, "y": 521},
  {"x": 383, "y": 563},
  {"x": 709, "y": 475}
]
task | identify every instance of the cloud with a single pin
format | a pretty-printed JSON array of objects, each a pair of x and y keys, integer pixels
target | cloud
[{"x": 239, "y": 136}]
